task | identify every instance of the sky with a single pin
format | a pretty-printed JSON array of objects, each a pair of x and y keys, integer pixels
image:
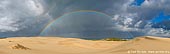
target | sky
[{"x": 129, "y": 18}]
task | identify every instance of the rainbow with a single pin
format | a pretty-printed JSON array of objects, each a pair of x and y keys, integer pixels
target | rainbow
[{"x": 50, "y": 23}]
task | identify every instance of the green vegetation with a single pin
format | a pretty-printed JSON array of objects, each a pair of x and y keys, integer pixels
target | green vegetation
[
  {"x": 114, "y": 39},
  {"x": 108, "y": 39}
]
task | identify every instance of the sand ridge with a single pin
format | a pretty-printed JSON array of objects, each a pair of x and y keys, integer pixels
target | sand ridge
[
  {"x": 56, "y": 45},
  {"x": 146, "y": 43}
]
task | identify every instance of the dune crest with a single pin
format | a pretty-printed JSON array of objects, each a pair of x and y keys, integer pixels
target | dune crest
[
  {"x": 145, "y": 43},
  {"x": 146, "y": 38}
]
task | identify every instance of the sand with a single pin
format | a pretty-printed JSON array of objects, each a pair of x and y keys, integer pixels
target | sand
[{"x": 56, "y": 45}]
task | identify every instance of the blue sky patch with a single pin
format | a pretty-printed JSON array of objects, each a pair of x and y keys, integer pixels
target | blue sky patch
[
  {"x": 160, "y": 18},
  {"x": 137, "y": 2}
]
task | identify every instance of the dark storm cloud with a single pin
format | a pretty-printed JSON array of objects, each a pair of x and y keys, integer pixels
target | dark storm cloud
[
  {"x": 85, "y": 24},
  {"x": 59, "y": 7}
]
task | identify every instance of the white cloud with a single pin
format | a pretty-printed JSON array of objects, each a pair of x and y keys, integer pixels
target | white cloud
[
  {"x": 136, "y": 18},
  {"x": 8, "y": 24},
  {"x": 15, "y": 15},
  {"x": 35, "y": 6}
]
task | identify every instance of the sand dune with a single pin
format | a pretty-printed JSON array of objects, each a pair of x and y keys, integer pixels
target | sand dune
[
  {"x": 144, "y": 45},
  {"x": 55, "y": 45}
]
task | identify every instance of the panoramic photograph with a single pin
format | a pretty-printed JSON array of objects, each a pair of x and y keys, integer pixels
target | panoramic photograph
[{"x": 84, "y": 26}]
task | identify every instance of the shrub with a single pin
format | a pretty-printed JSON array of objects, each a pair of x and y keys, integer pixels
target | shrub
[{"x": 114, "y": 39}]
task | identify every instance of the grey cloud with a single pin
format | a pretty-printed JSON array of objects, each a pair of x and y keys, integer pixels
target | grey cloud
[{"x": 124, "y": 15}]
